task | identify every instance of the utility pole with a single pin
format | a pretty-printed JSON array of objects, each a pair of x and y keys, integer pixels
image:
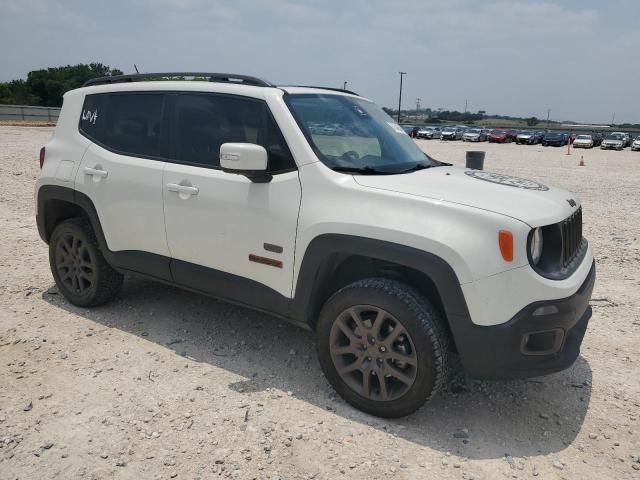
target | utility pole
[
  {"x": 402, "y": 74},
  {"x": 548, "y": 113},
  {"x": 613, "y": 119},
  {"x": 466, "y": 104},
  {"x": 417, "y": 104},
  {"x": 344, "y": 85}
]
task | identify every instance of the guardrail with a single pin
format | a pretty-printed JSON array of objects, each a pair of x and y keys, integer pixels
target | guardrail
[{"x": 29, "y": 112}]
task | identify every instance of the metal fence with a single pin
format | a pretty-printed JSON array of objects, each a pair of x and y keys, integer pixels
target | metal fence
[{"x": 27, "y": 112}]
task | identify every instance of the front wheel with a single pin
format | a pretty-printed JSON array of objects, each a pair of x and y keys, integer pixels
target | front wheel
[
  {"x": 383, "y": 347},
  {"x": 79, "y": 269}
]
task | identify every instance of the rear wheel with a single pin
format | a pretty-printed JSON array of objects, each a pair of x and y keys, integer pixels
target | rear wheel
[
  {"x": 382, "y": 347},
  {"x": 79, "y": 269}
]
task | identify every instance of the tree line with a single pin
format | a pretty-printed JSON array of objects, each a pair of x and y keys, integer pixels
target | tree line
[
  {"x": 436, "y": 116},
  {"x": 46, "y": 87}
]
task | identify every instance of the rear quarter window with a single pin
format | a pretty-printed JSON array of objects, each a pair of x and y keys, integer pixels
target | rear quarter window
[
  {"x": 91, "y": 115},
  {"x": 126, "y": 123}
]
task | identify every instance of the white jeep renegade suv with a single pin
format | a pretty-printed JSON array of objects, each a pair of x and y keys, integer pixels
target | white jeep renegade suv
[{"x": 313, "y": 205}]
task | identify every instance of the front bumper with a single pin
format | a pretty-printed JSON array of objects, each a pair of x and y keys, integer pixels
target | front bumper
[{"x": 542, "y": 338}]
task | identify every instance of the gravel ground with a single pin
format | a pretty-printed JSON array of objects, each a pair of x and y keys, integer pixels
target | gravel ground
[{"x": 166, "y": 384}]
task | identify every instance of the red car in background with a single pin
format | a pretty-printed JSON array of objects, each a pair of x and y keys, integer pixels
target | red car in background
[{"x": 501, "y": 136}]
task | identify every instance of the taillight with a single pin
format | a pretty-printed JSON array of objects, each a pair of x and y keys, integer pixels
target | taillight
[{"x": 41, "y": 157}]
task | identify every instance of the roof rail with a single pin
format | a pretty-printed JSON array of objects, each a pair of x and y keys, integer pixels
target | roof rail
[
  {"x": 323, "y": 88},
  {"x": 211, "y": 77}
]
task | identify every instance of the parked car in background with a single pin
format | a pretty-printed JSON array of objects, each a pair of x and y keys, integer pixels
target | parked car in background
[
  {"x": 500, "y": 136},
  {"x": 528, "y": 137},
  {"x": 614, "y": 141},
  {"x": 474, "y": 135},
  {"x": 555, "y": 139},
  {"x": 411, "y": 130},
  {"x": 429, "y": 132},
  {"x": 597, "y": 138},
  {"x": 635, "y": 146},
  {"x": 451, "y": 133},
  {"x": 583, "y": 141},
  {"x": 627, "y": 138}
]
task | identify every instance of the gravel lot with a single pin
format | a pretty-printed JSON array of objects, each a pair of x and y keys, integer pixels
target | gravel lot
[{"x": 167, "y": 384}]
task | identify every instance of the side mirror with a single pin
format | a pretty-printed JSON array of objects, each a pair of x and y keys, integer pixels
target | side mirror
[{"x": 245, "y": 159}]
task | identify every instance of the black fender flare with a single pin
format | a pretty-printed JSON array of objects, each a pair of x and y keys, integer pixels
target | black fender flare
[
  {"x": 152, "y": 265},
  {"x": 317, "y": 266}
]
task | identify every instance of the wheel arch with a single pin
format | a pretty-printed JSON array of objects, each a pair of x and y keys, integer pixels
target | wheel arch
[
  {"x": 56, "y": 203},
  {"x": 333, "y": 261}
]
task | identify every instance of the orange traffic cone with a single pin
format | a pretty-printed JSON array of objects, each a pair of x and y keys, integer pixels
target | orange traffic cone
[{"x": 581, "y": 164}]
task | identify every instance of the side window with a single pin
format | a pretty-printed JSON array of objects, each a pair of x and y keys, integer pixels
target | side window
[
  {"x": 205, "y": 122},
  {"x": 91, "y": 115},
  {"x": 133, "y": 123}
]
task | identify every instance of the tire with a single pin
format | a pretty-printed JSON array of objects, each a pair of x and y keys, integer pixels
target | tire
[
  {"x": 418, "y": 352},
  {"x": 79, "y": 269}
]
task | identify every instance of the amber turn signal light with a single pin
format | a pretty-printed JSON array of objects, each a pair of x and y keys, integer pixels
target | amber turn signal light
[{"x": 505, "y": 240}]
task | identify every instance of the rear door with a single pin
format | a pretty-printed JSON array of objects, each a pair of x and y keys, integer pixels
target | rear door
[
  {"x": 229, "y": 236},
  {"x": 121, "y": 172}
]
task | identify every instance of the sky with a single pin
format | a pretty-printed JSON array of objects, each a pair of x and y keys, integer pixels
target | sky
[{"x": 579, "y": 58}]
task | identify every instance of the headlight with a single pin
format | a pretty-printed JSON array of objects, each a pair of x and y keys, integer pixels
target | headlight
[{"x": 535, "y": 247}]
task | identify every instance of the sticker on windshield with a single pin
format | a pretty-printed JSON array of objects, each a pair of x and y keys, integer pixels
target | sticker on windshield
[
  {"x": 396, "y": 127},
  {"x": 506, "y": 180},
  {"x": 360, "y": 111}
]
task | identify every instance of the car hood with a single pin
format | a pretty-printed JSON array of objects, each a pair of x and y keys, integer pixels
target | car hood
[
  {"x": 525, "y": 135},
  {"x": 525, "y": 200}
]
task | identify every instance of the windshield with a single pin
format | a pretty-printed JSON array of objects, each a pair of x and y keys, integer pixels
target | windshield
[
  {"x": 353, "y": 134},
  {"x": 474, "y": 130},
  {"x": 583, "y": 137},
  {"x": 615, "y": 136}
]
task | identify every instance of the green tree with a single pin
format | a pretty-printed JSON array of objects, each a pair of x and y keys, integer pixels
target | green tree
[
  {"x": 51, "y": 83},
  {"x": 47, "y": 86},
  {"x": 532, "y": 121},
  {"x": 16, "y": 92}
]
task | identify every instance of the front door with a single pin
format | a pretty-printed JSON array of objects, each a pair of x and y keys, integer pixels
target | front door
[{"x": 227, "y": 235}]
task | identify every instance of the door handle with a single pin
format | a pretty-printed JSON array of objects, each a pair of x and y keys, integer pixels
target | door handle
[
  {"x": 95, "y": 172},
  {"x": 182, "y": 189}
]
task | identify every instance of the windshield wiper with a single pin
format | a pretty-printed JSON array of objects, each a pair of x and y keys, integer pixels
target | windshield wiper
[
  {"x": 415, "y": 168},
  {"x": 363, "y": 170}
]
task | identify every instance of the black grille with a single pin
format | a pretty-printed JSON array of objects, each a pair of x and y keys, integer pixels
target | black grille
[{"x": 571, "y": 236}]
